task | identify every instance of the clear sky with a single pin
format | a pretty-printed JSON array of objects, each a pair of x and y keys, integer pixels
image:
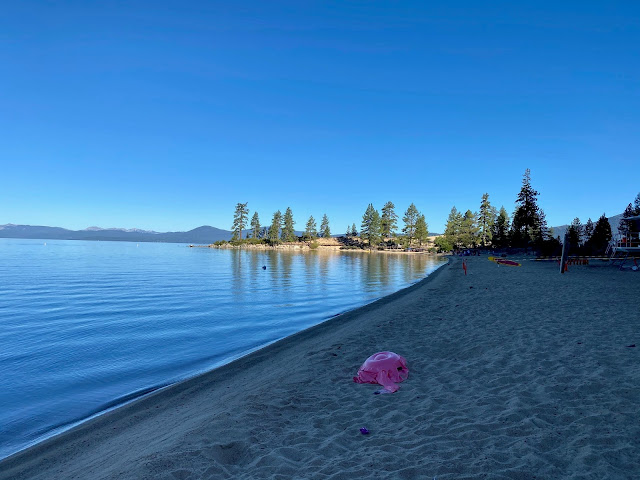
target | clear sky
[{"x": 163, "y": 115}]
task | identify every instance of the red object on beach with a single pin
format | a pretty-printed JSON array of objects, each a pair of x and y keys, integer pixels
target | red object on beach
[
  {"x": 511, "y": 263},
  {"x": 383, "y": 368}
]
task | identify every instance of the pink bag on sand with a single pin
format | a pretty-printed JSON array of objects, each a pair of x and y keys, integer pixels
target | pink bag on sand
[{"x": 384, "y": 368}]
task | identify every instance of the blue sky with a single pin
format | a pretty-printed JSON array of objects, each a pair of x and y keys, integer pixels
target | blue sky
[{"x": 164, "y": 115}]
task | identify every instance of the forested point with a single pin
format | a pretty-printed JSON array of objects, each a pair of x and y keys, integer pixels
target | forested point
[{"x": 487, "y": 228}]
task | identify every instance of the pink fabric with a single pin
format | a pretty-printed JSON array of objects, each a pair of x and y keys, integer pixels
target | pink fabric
[{"x": 384, "y": 368}]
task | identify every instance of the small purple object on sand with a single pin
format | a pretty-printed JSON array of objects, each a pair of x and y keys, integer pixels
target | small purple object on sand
[{"x": 364, "y": 431}]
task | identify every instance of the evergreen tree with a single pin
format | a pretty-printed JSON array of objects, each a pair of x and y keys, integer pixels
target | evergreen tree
[
  {"x": 348, "y": 232},
  {"x": 311, "y": 232},
  {"x": 255, "y": 225},
  {"x": 627, "y": 226},
  {"x": 636, "y": 204},
  {"x": 240, "y": 217},
  {"x": 370, "y": 228},
  {"x": 354, "y": 232},
  {"x": 486, "y": 219},
  {"x": 542, "y": 232},
  {"x": 501, "y": 227},
  {"x": 422, "y": 230},
  {"x": 525, "y": 217},
  {"x": 410, "y": 218},
  {"x": 453, "y": 228},
  {"x": 601, "y": 236},
  {"x": 468, "y": 230},
  {"x": 288, "y": 231},
  {"x": 389, "y": 220},
  {"x": 325, "y": 231},
  {"x": 274, "y": 229},
  {"x": 588, "y": 230},
  {"x": 575, "y": 232}
]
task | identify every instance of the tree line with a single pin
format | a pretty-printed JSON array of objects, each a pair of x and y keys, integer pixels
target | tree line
[
  {"x": 526, "y": 228},
  {"x": 281, "y": 228},
  {"x": 590, "y": 238},
  {"x": 378, "y": 229},
  {"x": 375, "y": 228},
  {"x": 488, "y": 227}
]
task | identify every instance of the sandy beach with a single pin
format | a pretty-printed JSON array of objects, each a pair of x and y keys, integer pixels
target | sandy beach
[{"x": 515, "y": 373}]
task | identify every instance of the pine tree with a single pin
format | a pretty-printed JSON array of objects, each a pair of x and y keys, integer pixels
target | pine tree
[
  {"x": 486, "y": 219},
  {"x": 453, "y": 228},
  {"x": 601, "y": 236},
  {"x": 370, "y": 228},
  {"x": 311, "y": 232},
  {"x": 255, "y": 225},
  {"x": 526, "y": 216},
  {"x": 575, "y": 232},
  {"x": 410, "y": 218},
  {"x": 240, "y": 217},
  {"x": 542, "y": 232},
  {"x": 588, "y": 230},
  {"x": 274, "y": 229},
  {"x": 422, "y": 230},
  {"x": 388, "y": 220},
  {"x": 500, "y": 233},
  {"x": 636, "y": 204},
  {"x": 627, "y": 226},
  {"x": 468, "y": 230},
  {"x": 288, "y": 231},
  {"x": 354, "y": 232},
  {"x": 325, "y": 231}
]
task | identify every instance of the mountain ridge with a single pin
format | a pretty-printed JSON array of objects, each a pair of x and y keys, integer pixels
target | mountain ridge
[{"x": 204, "y": 234}]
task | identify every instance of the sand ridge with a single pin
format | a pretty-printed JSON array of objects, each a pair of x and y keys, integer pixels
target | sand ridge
[{"x": 515, "y": 372}]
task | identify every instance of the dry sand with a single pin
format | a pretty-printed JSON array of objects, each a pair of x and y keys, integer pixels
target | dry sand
[{"x": 515, "y": 373}]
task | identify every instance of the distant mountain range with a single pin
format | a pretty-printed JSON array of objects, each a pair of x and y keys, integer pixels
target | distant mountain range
[{"x": 201, "y": 235}]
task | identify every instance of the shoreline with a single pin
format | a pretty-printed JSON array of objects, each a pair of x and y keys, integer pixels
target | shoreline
[
  {"x": 514, "y": 373},
  {"x": 70, "y": 428}
]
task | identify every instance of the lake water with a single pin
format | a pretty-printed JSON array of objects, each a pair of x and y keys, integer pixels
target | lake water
[{"x": 86, "y": 326}]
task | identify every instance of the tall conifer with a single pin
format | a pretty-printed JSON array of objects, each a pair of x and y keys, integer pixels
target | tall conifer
[
  {"x": 627, "y": 226},
  {"x": 370, "y": 228},
  {"x": 588, "y": 230},
  {"x": 601, "y": 236},
  {"x": 468, "y": 230},
  {"x": 486, "y": 219},
  {"x": 500, "y": 234},
  {"x": 255, "y": 225},
  {"x": 388, "y": 220},
  {"x": 311, "y": 232},
  {"x": 525, "y": 217},
  {"x": 288, "y": 231},
  {"x": 240, "y": 217},
  {"x": 422, "y": 230},
  {"x": 274, "y": 229},
  {"x": 410, "y": 218},
  {"x": 453, "y": 228},
  {"x": 325, "y": 231}
]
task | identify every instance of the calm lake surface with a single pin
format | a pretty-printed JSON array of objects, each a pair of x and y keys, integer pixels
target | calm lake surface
[{"x": 86, "y": 326}]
